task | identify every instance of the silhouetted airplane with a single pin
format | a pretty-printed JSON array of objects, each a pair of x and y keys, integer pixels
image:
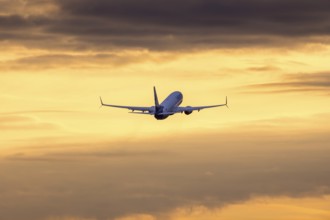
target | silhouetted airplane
[{"x": 168, "y": 107}]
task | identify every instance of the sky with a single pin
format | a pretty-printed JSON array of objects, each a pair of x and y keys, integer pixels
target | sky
[{"x": 267, "y": 156}]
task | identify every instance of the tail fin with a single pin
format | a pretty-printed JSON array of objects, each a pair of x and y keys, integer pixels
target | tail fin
[{"x": 155, "y": 97}]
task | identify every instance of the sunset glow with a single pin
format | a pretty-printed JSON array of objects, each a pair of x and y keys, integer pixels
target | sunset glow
[{"x": 62, "y": 157}]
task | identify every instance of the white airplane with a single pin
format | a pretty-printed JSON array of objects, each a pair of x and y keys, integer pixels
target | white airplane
[{"x": 168, "y": 107}]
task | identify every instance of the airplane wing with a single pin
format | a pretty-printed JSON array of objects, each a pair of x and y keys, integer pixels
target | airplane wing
[
  {"x": 132, "y": 108},
  {"x": 198, "y": 108}
]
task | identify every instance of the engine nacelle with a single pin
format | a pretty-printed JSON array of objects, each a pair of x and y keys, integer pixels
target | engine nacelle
[{"x": 188, "y": 112}]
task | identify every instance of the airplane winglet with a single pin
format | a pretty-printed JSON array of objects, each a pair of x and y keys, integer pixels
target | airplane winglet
[
  {"x": 226, "y": 102},
  {"x": 101, "y": 102}
]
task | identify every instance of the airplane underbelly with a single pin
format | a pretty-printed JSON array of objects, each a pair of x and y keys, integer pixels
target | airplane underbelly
[{"x": 161, "y": 117}]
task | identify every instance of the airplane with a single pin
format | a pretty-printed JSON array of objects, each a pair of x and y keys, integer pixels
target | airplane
[{"x": 168, "y": 107}]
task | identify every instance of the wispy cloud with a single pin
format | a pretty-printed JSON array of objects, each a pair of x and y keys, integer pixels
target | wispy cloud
[
  {"x": 263, "y": 68},
  {"x": 18, "y": 122},
  {"x": 74, "y": 156},
  {"x": 91, "y": 61},
  {"x": 70, "y": 218},
  {"x": 309, "y": 82}
]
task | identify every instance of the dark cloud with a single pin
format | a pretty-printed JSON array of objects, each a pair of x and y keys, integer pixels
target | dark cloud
[
  {"x": 13, "y": 21},
  {"x": 309, "y": 82},
  {"x": 228, "y": 16},
  {"x": 159, "y": 175},
  {"x": 165, "y": 25}
]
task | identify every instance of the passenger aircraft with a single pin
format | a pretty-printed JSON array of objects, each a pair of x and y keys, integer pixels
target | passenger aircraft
[{"x": 168, "y": 107}]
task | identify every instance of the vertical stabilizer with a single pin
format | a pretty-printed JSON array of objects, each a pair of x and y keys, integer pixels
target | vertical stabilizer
[{"x": 155, "y": 97}]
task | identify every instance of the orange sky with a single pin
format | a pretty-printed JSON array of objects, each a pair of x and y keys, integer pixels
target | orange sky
[{"x": 64, "y": 158}]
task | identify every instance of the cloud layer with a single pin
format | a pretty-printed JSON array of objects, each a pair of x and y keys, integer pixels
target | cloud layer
[
  {"x": 163, "y": 25},
  {"x": 212, "y": 170}
]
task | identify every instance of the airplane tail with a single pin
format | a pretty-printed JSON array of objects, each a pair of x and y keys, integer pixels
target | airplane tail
[{"x": 155, "y": 97}]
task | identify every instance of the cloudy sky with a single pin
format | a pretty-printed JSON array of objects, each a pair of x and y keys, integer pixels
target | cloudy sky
[{"x": 64, "y": 158}]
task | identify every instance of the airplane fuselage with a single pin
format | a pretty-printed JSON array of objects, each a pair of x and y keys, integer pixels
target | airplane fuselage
[{"x": 168, "y": 105}]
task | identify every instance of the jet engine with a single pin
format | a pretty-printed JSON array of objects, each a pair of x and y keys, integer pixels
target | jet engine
[{"x": 188, "y": 112}]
